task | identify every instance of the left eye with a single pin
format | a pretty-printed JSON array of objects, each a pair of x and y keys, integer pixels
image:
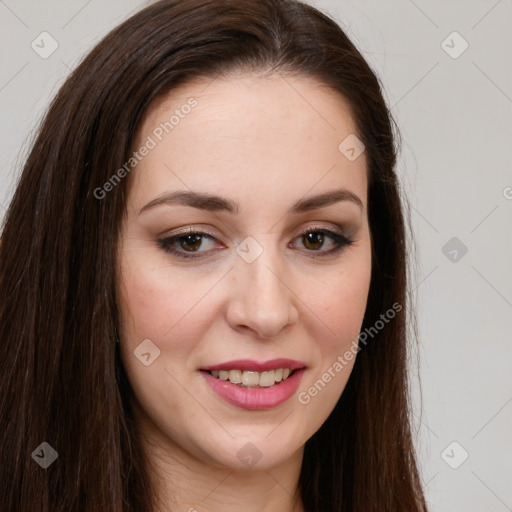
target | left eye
[
  {"x": 191, "y": 242},
  {"x": 315, "y": 239}
]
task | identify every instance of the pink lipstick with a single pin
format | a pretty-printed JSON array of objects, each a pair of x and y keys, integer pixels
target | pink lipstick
[{"x": 254, "y": 385}]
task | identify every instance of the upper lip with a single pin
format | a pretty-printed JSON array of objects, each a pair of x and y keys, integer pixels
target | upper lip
[{"x": 256, "y": 366}]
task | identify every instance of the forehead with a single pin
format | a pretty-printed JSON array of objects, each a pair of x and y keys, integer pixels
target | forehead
[{"x": 247, "y": 135}]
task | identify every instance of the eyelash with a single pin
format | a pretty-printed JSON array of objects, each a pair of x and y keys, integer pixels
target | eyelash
[{"x": 166, "y": 243}]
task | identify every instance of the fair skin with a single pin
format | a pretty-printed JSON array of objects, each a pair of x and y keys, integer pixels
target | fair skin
[{"x": 254, "y": 141}]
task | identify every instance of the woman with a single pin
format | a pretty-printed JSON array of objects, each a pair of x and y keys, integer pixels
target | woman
[{"x": 203, "y": 276}]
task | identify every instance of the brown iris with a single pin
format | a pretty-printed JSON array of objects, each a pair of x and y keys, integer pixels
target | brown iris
[
  {"x": 192, "y": 241},
  {"x": 315, "y": 239}
]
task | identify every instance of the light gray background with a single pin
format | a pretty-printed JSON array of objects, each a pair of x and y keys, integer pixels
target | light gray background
[{"x": 455, "y": 119}]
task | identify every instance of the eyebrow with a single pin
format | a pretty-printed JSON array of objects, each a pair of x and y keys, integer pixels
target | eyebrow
[{"x": 213, "y": 203}]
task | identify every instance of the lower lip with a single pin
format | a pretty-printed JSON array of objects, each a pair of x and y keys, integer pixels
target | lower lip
[{"x": 255, "y": 398}]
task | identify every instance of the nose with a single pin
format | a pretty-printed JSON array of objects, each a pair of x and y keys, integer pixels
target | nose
[{"x": 261, "y": 297}]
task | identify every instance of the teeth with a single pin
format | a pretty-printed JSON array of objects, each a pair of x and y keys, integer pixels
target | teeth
[
  {"x": 235, "y": 376},
  {"x": 248, "y": 378},
  {"x": 267, "y": 379}
]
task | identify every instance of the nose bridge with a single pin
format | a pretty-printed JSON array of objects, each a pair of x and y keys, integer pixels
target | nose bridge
[{"x": 261, "y": 299}]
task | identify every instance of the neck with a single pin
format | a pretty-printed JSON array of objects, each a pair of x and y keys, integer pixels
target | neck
[{"x": 189, "y": 483}]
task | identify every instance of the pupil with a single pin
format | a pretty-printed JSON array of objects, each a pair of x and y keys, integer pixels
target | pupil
[
  {"x": 315, "y": 239},
  {"x": 191, "y": 240}
]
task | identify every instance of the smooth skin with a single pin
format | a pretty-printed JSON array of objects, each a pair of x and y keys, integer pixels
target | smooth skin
[{"x": 263, "y": 143}]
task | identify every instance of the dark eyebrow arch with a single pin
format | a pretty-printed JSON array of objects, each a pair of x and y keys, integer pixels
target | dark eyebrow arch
[
  {"x": 326, "y": 199},
  {"x": 209, "y": 202}
]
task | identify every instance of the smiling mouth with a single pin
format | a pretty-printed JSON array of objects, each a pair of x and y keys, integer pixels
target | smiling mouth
[{"x": 252, "y": 379}]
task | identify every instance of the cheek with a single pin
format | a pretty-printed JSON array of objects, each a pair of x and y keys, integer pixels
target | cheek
[
  {"x": 161, "y": 308},
  {"x": 341, "y": 304}
]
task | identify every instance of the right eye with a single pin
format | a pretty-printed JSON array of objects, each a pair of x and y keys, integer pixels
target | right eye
[{"x": 186, "y": 244}]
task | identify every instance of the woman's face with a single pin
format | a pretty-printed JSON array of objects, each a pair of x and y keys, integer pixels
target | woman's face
[{"x": 253, "y": 165}]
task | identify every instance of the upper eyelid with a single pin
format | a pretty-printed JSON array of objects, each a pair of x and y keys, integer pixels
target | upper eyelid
[
  {"x": 192, "y": 231},
  {"x": 205, "y": 231}
]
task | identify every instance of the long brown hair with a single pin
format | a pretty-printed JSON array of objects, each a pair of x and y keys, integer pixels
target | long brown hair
[{"x": 61, "y": 378}]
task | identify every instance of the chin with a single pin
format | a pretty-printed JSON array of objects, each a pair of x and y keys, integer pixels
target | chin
[{"x": 253, "y": 453}]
